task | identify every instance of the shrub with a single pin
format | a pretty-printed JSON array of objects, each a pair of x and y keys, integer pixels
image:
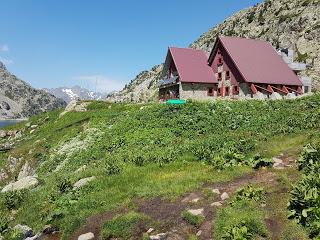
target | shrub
[
  {"x": 238, "y": 232},
  {"x": 257, "y": 162},
  {"x": 4, "y": 223},
  {"x": 309, "y": 160},
  {"x": 13, "y": 199},
  {"x": 112, "y": 168},
  {"x": 304, "y": 204},
  {"x": 242, "y": 221},
  {"x": 64, "y": 185},
  {"x": 250, "y": 193}
]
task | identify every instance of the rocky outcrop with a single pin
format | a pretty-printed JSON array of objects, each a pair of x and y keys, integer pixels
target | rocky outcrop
[
  {"x": 82, "y": 182},
  {"x": 143, "y": 88},
  {"x": 291, "y": 24},
  {"x": 24, "y": 183},
  {"x": 20, "y": 100},
  {"x": 75, "y": 106}
]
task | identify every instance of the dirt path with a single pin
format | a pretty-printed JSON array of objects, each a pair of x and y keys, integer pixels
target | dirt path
[{"x": 169, "y": 213}]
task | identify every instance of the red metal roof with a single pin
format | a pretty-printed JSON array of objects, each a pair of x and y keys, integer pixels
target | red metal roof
[
  {"x": 258, "y": 61},
  {"x": 192, "y": 65}
]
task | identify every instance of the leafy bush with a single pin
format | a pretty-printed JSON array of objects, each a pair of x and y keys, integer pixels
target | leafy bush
[
  {"x": 304, "y": 205},
  {"x": 112, "y": 168},
  {"x": 13, "y": 199},
  {"x": 238, "y": 232},
  {"x": 242, "y": 221},
  {"x": 250, "y": 193},
  {"x": 257, "y": 162},
  {"x": 4, "y": 222},
  {"x": 309, "y": 160},
  {"x": 195, "y": 220},
  {"x": 64, "y": 185}
]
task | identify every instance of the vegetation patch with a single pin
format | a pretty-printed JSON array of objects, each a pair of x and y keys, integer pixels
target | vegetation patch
[
  {"x": 124, "y": 227},
  {"x": 243, "y": 220},
  {"x": 195, "y": 220},
  {"x": 250, "y": 193},
  {"x": 304, "y": 203}
]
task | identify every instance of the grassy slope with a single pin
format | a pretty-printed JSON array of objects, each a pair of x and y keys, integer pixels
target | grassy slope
[{"x": 160, "y": 150}]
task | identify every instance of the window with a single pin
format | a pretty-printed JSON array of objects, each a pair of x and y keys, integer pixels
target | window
[
  {"x": 219, "y": 91},
  {"x": 228, "y": 74},
  {"x": 210, "y": 91},
  {"x": 227, "y": 90},
  {"x": 219, "y": 76},
  {"x": 236, "y": 90},
  {"x": 220, "y": 61}
]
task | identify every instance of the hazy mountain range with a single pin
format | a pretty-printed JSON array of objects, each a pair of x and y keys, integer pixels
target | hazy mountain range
[{"x": 75, "y": 93}]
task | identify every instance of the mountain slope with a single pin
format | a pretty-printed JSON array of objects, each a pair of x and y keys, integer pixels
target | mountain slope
[
  {"x": 285, "y": 23},
  {"x": 20, "y": 100},
  {"x": 74, "y": 93},
  {"x": 81, "y": 167}
]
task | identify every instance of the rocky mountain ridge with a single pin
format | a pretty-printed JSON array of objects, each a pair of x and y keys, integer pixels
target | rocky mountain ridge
[
  {"x": 69, "y": 94},
  {"x": 293, "y": 24},
  {"x": 19, "y": 100}
]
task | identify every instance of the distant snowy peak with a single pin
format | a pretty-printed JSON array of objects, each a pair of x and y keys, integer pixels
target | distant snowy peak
[{"x": 74, "y": 93}]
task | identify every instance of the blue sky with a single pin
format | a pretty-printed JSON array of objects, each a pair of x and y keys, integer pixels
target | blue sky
[{"x": 56, "y": 43}]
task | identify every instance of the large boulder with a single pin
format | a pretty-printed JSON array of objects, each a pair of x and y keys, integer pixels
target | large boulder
[
  {"x": 24, "y": 183},
  {"x": 76, "y": 106},
  {"x": 82, "y": 182},
  {"x": 25, "y": 171},
  {"x": 24, "y": 229},
  {"x": 86, "y": 236}
]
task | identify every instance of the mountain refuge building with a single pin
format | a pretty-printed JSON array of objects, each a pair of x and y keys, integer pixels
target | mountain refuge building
[{"x": 236, "y": 68}]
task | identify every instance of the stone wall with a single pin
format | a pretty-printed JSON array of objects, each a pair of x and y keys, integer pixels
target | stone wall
[{"x": 197, "y": 91}]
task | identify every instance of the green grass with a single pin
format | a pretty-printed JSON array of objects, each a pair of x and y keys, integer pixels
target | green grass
[
  {"x": 110, "y": 192},
  {"x": 123, "y": 227},
  {"x": 195, "y": 220},
  {"x": 290, "y": 144},
  {"x": 246, "y": 213},
  {"x": 277, "y": 201},
  {"x": 154, "y": 150}
]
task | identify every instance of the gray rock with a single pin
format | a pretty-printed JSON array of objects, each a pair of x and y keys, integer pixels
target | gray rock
[
  {"x": 159, "y": 236},
  {"x": 25, "y": 171},
  {"x": 277, "y": 160},
  {"x": 83, "y": 182},
  {"x": 3, "y": 134},
  {"x": 86, "y": 236},
  {"x": 224, "y": 196},
  {"x": 216, "y": 204},
  {"x": 33, "y": 126},
  {"x": 24, "y": 183},
  {"x": 275, "y": 96},
  {"x": 76, "y": 106},
  {"x": 196, "y": 212},
  {"x": 24, "y": 229},
  {"x": 216, "y": 191}
]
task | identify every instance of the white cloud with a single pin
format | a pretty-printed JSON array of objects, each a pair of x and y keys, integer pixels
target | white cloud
[
  {"x": 100, "y": 83},
  {"x": 4, "y": 48}
]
